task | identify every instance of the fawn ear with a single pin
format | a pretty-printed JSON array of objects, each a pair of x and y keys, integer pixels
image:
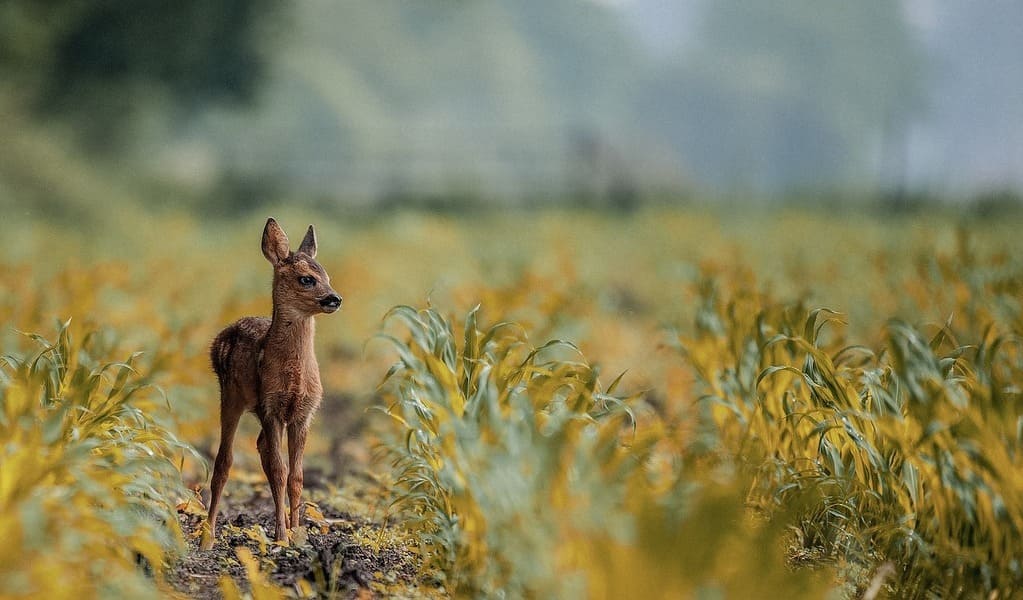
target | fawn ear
[
  {"x": 309, "y": 243},
  {"x": 275, "y": 242}
]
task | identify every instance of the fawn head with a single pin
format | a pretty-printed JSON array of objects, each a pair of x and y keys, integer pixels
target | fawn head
[{"x": 301, "y": 286}]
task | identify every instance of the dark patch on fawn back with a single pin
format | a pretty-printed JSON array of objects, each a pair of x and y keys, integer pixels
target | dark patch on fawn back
[{"x": 222, "y": 350}]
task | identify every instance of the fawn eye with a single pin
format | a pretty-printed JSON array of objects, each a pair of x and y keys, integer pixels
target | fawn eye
[{"x": 307, "y": 281}]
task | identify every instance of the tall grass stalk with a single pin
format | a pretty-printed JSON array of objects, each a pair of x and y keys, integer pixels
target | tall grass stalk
[
  {"x": 526, "y": 477},
  {"x": 88, "y": 480},
  {"x": 907, "y": 455}
]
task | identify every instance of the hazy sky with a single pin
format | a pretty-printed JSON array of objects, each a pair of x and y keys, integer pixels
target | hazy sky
[{"x": 968, "y": 135}]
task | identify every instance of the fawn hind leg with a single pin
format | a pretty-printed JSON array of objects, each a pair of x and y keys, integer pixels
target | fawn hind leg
[
  {"x": 269, "y": 445},
  {"x": 230, "y": 414}
]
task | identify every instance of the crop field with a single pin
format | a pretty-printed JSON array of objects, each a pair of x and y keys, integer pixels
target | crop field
[{"x": 684, "y": 403}]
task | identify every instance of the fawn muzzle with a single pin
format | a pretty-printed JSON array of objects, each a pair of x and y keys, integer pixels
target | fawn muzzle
[{"x": 330, "y": 303}]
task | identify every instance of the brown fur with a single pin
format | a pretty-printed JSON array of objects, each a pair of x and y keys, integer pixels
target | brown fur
[{"x": 267, "y": 366}]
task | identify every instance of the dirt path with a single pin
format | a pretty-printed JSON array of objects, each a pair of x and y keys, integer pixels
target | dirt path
[{"x": 345, "y": 547}]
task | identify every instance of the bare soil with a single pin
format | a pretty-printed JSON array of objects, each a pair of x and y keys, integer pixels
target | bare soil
[
  {"x": 344, "y": 548},
  {"x": 347, "y": 544}
]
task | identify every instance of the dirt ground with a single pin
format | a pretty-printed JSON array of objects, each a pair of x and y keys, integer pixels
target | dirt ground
[
  {"x": 346, "y": 547},
  {"x": 348, "y": 544}
]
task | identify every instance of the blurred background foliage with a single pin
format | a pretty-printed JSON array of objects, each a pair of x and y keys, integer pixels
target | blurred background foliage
[
  {"x": 442, "y": 103},
  {"x": 673, "y": 186}
]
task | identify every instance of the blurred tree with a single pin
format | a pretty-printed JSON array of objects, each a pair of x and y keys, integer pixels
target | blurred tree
[
  {"x": 105, "y": 61},
  {"x": 418, "y": 99},
  {"x": 792, "y": 93}
]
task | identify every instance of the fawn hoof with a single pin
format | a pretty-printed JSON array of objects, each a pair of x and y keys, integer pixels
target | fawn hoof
[{"x": 206, "y": 539}]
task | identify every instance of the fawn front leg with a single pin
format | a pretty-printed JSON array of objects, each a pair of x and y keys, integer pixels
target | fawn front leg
[
  {"x": 296, "y": 448},
  {"x": 269, "y": 445}
]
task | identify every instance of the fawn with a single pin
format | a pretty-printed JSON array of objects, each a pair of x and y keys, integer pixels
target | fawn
[{"x": 268, "y": 366}]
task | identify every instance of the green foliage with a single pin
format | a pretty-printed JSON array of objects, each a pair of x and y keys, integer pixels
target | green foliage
[
  {"x": 88, "y": 480},
  {"x": 97, "y": 61},
  {"x": 886, "y": 453},
  {"x": 515, "y": 465},
  {"x": 909, "y": 455},
  {"x": 495, "y": 433}
]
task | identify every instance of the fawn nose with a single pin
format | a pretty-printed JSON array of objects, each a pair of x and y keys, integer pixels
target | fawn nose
[{"x": 331, "y": 302}]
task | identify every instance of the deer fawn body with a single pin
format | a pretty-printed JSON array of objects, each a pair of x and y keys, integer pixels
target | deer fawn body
[{"x": 268, "y": 366}]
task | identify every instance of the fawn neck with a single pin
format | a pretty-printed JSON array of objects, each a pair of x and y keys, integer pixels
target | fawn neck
[{"x": 290, "y": 334}]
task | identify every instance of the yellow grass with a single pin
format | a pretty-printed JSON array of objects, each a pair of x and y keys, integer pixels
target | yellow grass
[{"x": 629, "y": 292}]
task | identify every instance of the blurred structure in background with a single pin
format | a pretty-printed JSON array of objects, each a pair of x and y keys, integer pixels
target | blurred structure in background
[{"x": 443, "y": 103}]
